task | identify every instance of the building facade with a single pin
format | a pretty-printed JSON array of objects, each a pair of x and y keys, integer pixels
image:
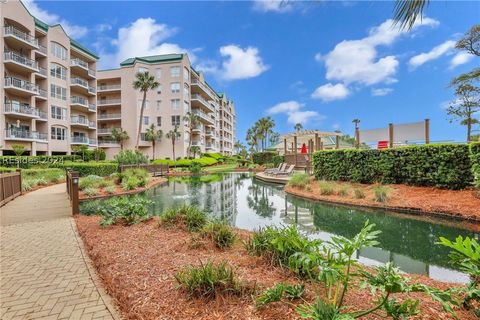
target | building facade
[
  {"x": 182, "y": 90},
  {"x": 48, "y": 90}
]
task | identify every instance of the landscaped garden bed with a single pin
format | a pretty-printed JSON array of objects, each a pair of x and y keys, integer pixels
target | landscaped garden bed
[{"x": 180, "y": 266}]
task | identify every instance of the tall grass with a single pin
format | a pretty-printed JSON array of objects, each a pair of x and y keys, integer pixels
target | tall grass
[
  {"x": 299, "y": 180},
  {"x": 193, "y": 218},
  {"x": 326, "y": 188},
  {"x": 381, "y": 193},
  {"x": 32, "y": 178},
  {"x": 220, "y": 234}
]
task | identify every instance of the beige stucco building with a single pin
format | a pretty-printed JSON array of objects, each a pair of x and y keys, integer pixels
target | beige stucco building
[
  {"x": 182, "y": 89},
  {"x": 48, "y": 90}
]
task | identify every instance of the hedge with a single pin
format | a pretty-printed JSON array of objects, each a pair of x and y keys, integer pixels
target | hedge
[
  {"x": 263, "y": 157},
  {"x": 215, "y": 155},
  {"x": 443, "y": 166},
  {"x": 88, "y": 168},
  {"x": 276, "y": 160},
  {"x": 475, "y": 159},
  {"x": 185, "y": 163}
]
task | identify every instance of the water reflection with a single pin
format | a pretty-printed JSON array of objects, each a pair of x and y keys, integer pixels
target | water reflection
[{"x": 247, "y": 203}]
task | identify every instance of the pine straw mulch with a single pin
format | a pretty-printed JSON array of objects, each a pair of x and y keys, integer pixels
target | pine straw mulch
[
  {"x": 461, "y": 204},
  {"x": 137, "y": 266},
  {"x": 155, "y": 181}
]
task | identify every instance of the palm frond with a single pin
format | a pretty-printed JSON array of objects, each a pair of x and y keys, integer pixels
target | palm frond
[{"x": 407, "y": 12}]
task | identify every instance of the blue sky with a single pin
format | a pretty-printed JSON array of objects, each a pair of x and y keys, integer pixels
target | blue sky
[{"x": 322, "y": 64}]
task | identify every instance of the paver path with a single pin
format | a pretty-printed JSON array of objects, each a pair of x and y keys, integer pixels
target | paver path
[{"x": 45, "y": 273}]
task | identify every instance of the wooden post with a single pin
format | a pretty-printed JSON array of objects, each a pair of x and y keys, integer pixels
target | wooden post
[
  {"x": 292, "y": 148},
  {"x": 320, "y": 143},
  {"x": 285, "y": 146},
  {"x": 337, "y": 142},
  {"x": 390, "y": 135},
  {"x": 427, "y": 131},
  {"x": 317, "y": 145},
  {"x": 74, "y": 193},
  {"x": 357, "y": 137},
  {"x": 20, "y": 179},
  {"x": 295, "y": 148}
]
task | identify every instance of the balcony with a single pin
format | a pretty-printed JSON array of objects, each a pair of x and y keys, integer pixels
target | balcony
[
  {"x": 19, "y": 62},
  {"x": 108, "y": 102},
  {"x": 24, "y": 135},
  {"x": 83, "y": 66},
  {"x": 196, "y": 82},
  {"x": 41, "y": 51},
  {"x": 82, "y": 84},
  {"x": 21, "y": 37},
  {"x": 198, "y": 129},
  {"x": 106, "y": 131},
  {"x": 79, "y": 121},
  {"x": 42, "y": 94},
  {"x": 92, "y": 124},
  {"x": 210, "y": 146},
  {"x": 109, "y": 116},
  {"x": 41, "y": 73},
  {"x": 92, "y": 142},
  {"x": 20, "y": 86},
  {"x": 83, "y": 140},
  {"x": 23, "y": 110},
  {"x": 76, "y": 101},
  {"x": 109, "y": 87},
  {"x": 108, "y": 144},
  {"x": 210, "y": 134},
  {"x": 203, "y": 116},
  {"x": 203, "y": 102}
]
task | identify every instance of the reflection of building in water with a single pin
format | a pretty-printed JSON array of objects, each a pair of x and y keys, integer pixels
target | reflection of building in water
[{"x": 221, "y": 198}]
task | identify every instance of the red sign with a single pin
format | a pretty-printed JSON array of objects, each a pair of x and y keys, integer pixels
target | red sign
[{"x": 383, "y": 144}]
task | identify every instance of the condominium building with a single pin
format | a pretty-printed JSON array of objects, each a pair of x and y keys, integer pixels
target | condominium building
[
  {"x": 48, "y": 89},
  {"x": 182, "y": 90}
]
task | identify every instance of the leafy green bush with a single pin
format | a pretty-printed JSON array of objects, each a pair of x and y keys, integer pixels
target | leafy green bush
[
  {"x": 90, "y": 181},
  {"x": 130, "y": 183},
  {"x": 88, "y": 168},
  {"x": 137, "y": 176},
  {"x": 444, "y": 166},
  {"x": 109, "y": 189},
  {"x": 263, "y": 157},
  {"x": 279, "y": 290},
  {"x": 277, "y": 159},
  {"x": 195, "y": 168},
  {"x": 90, "y": 191},
  {"x": 130, "y": 157},
  {"x": 475, "y": 159},
  {"x": 190, "y": 216},
  {"x": 299, "y": 180},
  {"x": 220, "y": 233},
  {"x": 209, "y": 280},
  {"x": 186, "y": 163},
  {"x": 381, "y": 193},
  {"x": 215, "y": 155},
  {"x": 128, "y": 210}
]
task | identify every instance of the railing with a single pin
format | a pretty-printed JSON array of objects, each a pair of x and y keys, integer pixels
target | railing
[
  {"x": 22, "y": 108},
  {"x": 12, "y": 56},
  {"x": 106, "y": 130},
  {"x": 196, "y": 96},
  {"x": 10, "y": 186},
  {"x": 92, "y": 124},
  {"x": 108, "y": 115},
  {"x": 24, "y": 134},
  {"x": 42, "y": 93},
  {"x": 79, "y": 139},
  {"x": 108, "y": 101},
  {"x": 79, "y": 120},
  {"x": 154, "y": 169},
  {"x": 107, "y": 87},
  {"x": 300, "y": 160},
  {"x": 72, "y": 190},
  {"x": 79, "y": 100},
  {"x": 204, "y": 87},
  {"x": 92, "y": 90},
  {"x": 202, "y": 115},
  {"x": 108, "y": 143},
  {"x": 92, "y": 141},
  {"x": 42, "y": 49},
  {"x": 92, "y": 107},
  {"x": 42, "y": 71},
  {"x": 80, "y": 82},
  {"x": 83, "y": 64},
  {"x": 21, "y": 84},
  {"x": 12, "y": 31}
]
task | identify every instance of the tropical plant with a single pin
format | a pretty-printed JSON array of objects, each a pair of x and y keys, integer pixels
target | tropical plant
[
  {"x": 153, "y": 135},
  {"x": 129, "y": 210},
  {"x": 298, "y": 127},
  {"x": 80, "y": 149},
  {"x": 465, "y": 106},
  {"x": 193, "y": 121},
  {"x": 130, "y": 157},
  {"x": 408, "y": 12},
  {"x": 274, "y": 136},
  {"x": 238, "y": 146},
  {"x": 278, "y": 291},
  {"x": 193, "y": 218},
  {"x": 173, "y": 135},
  {"x": 143, "y": 82},
  {"x": 252, "y": 138},
  {"x": 120, "y": 136},
  {"x": 18, "y": 149},
  {"x": 265, "y": 126},
  {"x": 299, "y": 180},
  {"x": 219, "y": 233},
  {"x": 194, "y": 150},
  {"x": 195, "y": 168},
  {"x": 358, "y": 194}
]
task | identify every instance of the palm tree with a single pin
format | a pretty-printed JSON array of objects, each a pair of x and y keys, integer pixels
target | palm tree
[
  {"x": 356, "y": 122},
  {"x": 265, "y": 127},
  {"x": 143, "y": 82},
  {"x": 120, "y": 136},
  {"x": 193, "y": 120},
  {"x": 252, "y": 138},
  {"x": 238, "y": 145},
  {"x": 407, "y": 12},
  {"x": 274, "y": 136},
  {"x": 298, "y": 127},
  {"x": 194, "y": 150},
  {"x": 173, "y": 135},
  {"x": 153, "y": 136}
]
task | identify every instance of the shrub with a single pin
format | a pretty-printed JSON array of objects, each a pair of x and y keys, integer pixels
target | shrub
[
  {"x": 358, "y": 194},
  {"x": 326, "y": 188},
  {"x": 90, "y": 181},
  {"x": 279, "y": 290},
  {"x": 277, "y": 159},
  {"x": 109, "y": 189},
  {"x": 130, "y": 183},
  {"x": 263, "y": 157},
  {"x": 220, "y": 233},
  {"x": 475, "y": 159},
  {"x": 90, "y": 191},
  {"x": 102, "y": 169},
  {"x": 215, "y": 155},
  {"x": 192, "y": 217},
  {"x": 343, "y": 191},
  {"x": 444, "y": 166},
  {"x": 299, "y": 180},
  {"x": 195, "y": 168},
  {"x": 381, "y": 193},
  {"x": 208, "y": 280},
  {"x": 186, "y": 163},
  {"x": 130, "y": 157},
  {"x": 27, "y": 184},
  {"x": 129, "y": 210}
]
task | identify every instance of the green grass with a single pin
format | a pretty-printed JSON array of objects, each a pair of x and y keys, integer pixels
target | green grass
[
  {"x": 221, "y": 168},
  {"x": 299, "y": 180},
  {"x": 326, "y": 188},
  {"x": 192, "y": 217},
  {"x": 40, "y": 177},
  {"x": 382, "y": 193},
  {"x": 221, "y": 234}
]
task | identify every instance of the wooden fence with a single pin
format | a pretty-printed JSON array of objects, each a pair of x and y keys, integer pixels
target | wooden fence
[
  {"x": 154, "y": 169},
  {"x": 301, "y": 161},
  {"x": 10, "y": 186},
  {"x": 72, "y": 190}
]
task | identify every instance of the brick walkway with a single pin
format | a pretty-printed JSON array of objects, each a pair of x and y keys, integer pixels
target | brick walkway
[{"x": 45, "y": 273}]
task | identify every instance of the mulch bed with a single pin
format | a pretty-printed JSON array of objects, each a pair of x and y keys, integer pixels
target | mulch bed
[
  {"x": 459, "y": 204},
  {"x": 137, "y": 266},
  {"x": 119, "y": 191}
]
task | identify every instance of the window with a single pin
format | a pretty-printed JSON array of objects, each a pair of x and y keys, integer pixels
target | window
[
  {"x": 58, "y": 92},
  {"x": 145, "y": 120},
  {"x": 57, "y": 133},
  {"x": 58, "y": 71},
  {"x": 58, "y": 50},
  {"x": 175, "y": 120},
  {"x": 186, "y": 74},
  {"x": 58, "y": 113},
  {"x": 158, "y": 73},
  {"x": 175, "y": 71},
  {"x": 159, "y": 105},
  {"x": 175, "y": 87},
  {"x": 140, "y": 101},
  {"x": 186, "y": 106},
  {"x": 186, "y": 90},
  {"x": 159, "y": 121},
  {"x": 159, "y": 89},
  {"x": 175, "y": 103},
  {"x": 142, "y": 70}
]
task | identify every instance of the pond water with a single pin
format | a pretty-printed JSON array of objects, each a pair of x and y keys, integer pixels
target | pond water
[{"x": 247, "y": 203}]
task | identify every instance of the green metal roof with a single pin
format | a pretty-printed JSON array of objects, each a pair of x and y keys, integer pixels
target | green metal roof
[
  {"x": 40, "y": 24},
  {"x": 77, "y": 45},
  {"x": 152, "y": 59}
]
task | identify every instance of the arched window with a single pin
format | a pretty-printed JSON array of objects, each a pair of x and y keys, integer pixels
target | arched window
[{"x": 58, "y": 50}]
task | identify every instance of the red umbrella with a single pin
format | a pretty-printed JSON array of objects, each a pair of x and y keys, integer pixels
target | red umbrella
[{"x": 304, "y": 148}]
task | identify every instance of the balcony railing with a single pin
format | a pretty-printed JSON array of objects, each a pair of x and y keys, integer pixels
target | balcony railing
[
  {"x": 106, "y": 130},
  {"x": 202, "y": 115},
  {"x": 204, "y": 87},
  {"x": 18, "y": 58},
  {"x": 42, "y": 71},
  {"x": 19, "y": 34},
  {"x": 21, "y": 84},
  {"x": 108, "y": 87},
  {"x": 79, "y": 100},
  {"x": 42, "y": 49},
  {"x": 92, "y": 90},
  {"x": 24, "y": 134},
  {"x": 92, "y": 107},
  {"x": 79, "y": 120},
  {"x": 92, "y": 141},
  {"x": 103, "y": 102},
  {"x": 83, "y": 64},
  {"x": 80, "y": 139},
  {"x": 42, "y": 93},
  {"x": 20, "y": 107},
  {"x": 108, "y": 143},
  {"x": 196, "y": 96},
  {"x": 92, "y": 124},
  {"x": 108, "y": 115}
]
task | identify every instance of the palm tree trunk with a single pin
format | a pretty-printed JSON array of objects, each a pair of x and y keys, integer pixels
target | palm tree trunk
[
  {"x": 469, "y": 129},
  {"x": 173, "y": 148},
  {"x": 153, "y": 144},
  {"x": 189, "y": 140},
  {"x": 141, "y": 119}
]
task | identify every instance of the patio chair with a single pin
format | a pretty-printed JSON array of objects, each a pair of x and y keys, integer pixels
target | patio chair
[
  {"x": 287, "y": 172},
  {"x": 281, "y": 167}
]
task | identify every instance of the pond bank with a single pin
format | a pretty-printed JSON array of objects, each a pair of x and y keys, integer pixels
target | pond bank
[{"x": 120, "y": 192}]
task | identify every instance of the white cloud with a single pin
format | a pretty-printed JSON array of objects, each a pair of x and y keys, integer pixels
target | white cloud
[
  {"x": 279, "y": 6},
  {"x": 143, "y": 37},
  {"x": 379, "y": 92},
  {"x": 72, "y": 30},
  {"x": 330, "y": 92},
  {"x": 357, "y": 61},
  {"x": 294, "y": 113},
  {"x": 460, "y": 58},
  {"x": 433, "y": 54}
]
